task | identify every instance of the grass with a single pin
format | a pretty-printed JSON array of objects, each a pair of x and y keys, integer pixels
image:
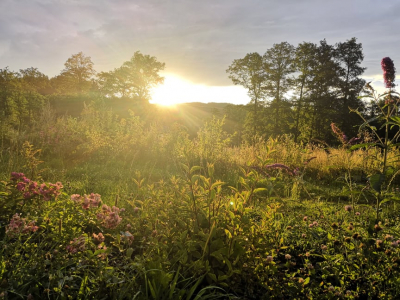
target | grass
[{"x": 201, "y": 218}]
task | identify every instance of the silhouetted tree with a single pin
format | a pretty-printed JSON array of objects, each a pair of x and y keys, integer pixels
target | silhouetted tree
[
  {"x": 279, "y": 64},
  {"x": 350, "y": 57},
  {"x": 250, "y": 73}
]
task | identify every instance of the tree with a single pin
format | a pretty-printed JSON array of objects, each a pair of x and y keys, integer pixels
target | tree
[
  {"x": 13, "y": 104},
  {"x": 35, "y": 80},
  {"x": 323, "y": 102},
  {"x": 279, "y": 64},
  {"x": 250, "y": 73},
  {"x": 305, "y": 63},
  {"x": 35, "y": 85},
  {"x": 134, "y": 79},
  {"x": 77, "y": 73},
  {"x": 350, "y": 56}
]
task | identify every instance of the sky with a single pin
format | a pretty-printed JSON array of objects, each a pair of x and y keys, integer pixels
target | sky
[{"x": 197, "y": 40}]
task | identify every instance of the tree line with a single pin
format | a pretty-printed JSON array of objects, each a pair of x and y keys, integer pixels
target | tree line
[
  {"x": 293, "y": 90},
  {"x": 23, "y": 94},
  {"x": 300, "y": 90}
]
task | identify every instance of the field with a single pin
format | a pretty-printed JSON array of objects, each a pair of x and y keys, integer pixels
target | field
[{"x": 100, "y": 206}]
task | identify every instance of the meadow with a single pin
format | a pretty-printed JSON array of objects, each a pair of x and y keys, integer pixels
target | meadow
[{"x": 99, "y": 206}]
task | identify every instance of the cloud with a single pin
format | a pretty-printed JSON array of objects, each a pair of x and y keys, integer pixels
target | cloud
[{"x": 197, "y": 40}]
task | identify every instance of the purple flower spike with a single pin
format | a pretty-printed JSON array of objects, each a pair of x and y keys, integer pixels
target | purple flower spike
[{"x": 389, "y": 72}]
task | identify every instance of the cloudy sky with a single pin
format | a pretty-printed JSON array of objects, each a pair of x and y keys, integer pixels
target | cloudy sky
[{"x": 197, "y": 39}]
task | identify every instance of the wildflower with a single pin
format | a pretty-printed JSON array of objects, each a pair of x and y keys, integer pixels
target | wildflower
[
  {"x": 76, "y": 197},
  {"x": 323, "y": 247},
  {"x": 354, "y": 141},
  {"x": 350, "y": 227},
  {"x": 99, "y": 238},
  {"x": 18, "y": 225},
  {"x": 109, "y": 216},
  {"x": 136, "y": 209},
  {"x": 16, "y": 176},
  {"x": 388, "y": 237},
  {"x": 311, "y": 225},
  {"x": 21, "y": 186},
  {"x": 377, "y": 227},
  {"x": 310, "y": 266},
  {"x": 348, "y": 208},
  {"x": 305, "y": 218},
  {"x": 301, "y": 280},
  {"x": 335, "y": 226},
  {"x": 389, "y": 72},
  {"x": 315, "y": 223},
  {"x": 379, "y": 243},
  {"x": 128, "y": 226},
  {"x": 357, "y": 213},
  {"x": 303, "y": 235},
  {"x": 331, "y": 288},
  {"x": 269, "y": 259},
  {"x": 395, "y": 244},
  {"x": 388, "y": 252},
  {"x": 307, "y": 254},
  {"x": 288, "y": 256},
  {"x": 339, "y": 134}
]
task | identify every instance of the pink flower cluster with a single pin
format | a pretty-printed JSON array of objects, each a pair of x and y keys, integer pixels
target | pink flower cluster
[
  {"x": 18, "y": 225},
  {"x": 77, "y": 244},
  {"x": 93, "y": 200},
  {"x": 98, "y": 238},
  {"x": 110, "y": 216},
  {"x": 30, "y": 188},
  {"x": 389, "y": 72}
]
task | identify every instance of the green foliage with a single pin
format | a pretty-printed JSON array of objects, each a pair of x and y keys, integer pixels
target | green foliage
[
  {"x": 134, "y": 79},
  {"x": 201, "y": 217}
]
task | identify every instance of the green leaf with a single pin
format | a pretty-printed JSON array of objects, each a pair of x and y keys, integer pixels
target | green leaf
[
  {"x": 194, "y": 287},
  {"x": 218, "y": 183},
  {"x": 358, "y": 146},
  {"x": 385, "y": 200},
  {"x": 259, "y": 190},
  {"x": 376, "y": 181},
  {"x": 172, "y": 287},
  {"x": 194, "y": 169},
  {"x": 212, "y": 276},
  {"x": 307, "y": 281},
  {"x": 369, "y": 121},
  {"x": 129, "y": 252}
]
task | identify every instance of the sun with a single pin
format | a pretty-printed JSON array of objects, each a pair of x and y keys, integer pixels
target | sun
[{"x": 175, "y": 90}]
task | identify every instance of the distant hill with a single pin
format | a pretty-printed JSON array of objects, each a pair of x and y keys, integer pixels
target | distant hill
[{"x": 192, "y": 115}]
